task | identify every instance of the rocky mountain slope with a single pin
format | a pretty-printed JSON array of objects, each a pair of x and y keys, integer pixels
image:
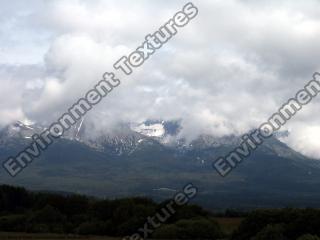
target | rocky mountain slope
[{"x": 150, "y": 159}]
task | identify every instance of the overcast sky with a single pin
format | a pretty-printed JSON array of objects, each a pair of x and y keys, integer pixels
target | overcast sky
[{"x": 226, "y": 72}]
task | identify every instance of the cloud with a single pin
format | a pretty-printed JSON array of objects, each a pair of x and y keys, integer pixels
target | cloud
[{"x": 226, "y": 72}]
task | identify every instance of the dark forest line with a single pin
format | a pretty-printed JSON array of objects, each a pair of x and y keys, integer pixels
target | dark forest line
[{"x": 44, "y": 212}]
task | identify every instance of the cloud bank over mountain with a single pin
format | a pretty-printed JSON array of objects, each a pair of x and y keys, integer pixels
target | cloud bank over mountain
[{"x": 225, "y": 73}]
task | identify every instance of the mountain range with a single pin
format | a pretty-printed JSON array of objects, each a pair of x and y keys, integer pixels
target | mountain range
[{"x": 150, "y": 159}]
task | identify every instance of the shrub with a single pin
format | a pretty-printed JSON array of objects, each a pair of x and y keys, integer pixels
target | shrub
[
  {"x": 170, "y": 231},
  {"x": 93, "y": 228},
  {"x": 13, "y": 223},
  {"x": 200, "y": 228},
  {"x": 308, "y": 237},
  {"x": 274, "y": 232}
]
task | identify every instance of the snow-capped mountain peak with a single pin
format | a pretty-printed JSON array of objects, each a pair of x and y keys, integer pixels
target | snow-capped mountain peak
[{"x": 150, "y": 130}]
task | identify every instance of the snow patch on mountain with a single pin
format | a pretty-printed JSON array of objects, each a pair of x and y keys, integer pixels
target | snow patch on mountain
[{"x": 151, "y": 130}]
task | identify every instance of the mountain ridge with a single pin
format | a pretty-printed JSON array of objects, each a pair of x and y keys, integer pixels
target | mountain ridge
[{"x": 131, "y": 163}]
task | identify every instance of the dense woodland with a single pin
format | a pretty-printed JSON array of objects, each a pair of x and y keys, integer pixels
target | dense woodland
[{"x": 43, "y": 212}]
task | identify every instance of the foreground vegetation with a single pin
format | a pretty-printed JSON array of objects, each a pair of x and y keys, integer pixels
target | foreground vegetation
[
  {"x": 34, "y": 212},
  {"x": 49, "y": 236},
  {"x": 34, "y": 215},
  {"x": 281, "y": 224}
]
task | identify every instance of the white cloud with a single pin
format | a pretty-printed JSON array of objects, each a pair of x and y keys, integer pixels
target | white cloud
[{"x": 226, "y": 72}]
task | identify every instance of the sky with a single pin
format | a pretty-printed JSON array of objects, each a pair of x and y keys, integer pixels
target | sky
[{"x": 226, "y": 72}]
